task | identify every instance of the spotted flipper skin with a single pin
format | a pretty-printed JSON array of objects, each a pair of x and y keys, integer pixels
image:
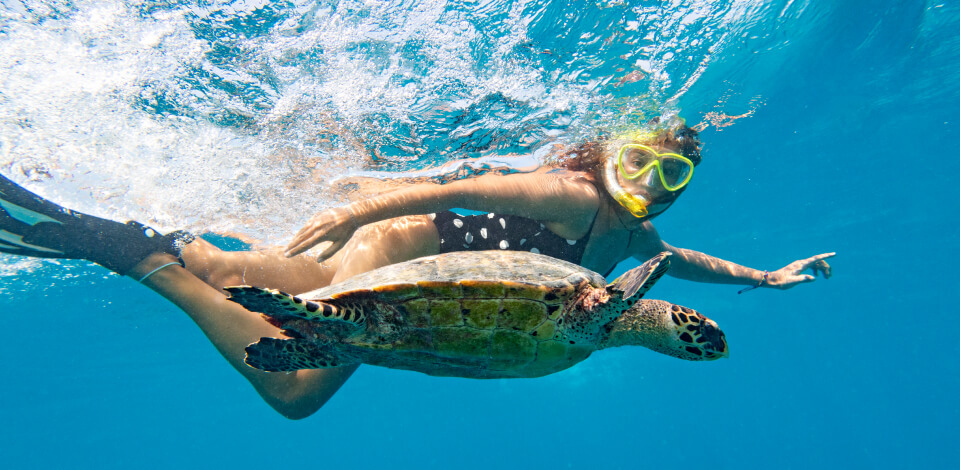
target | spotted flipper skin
[
  {"x": 278, "y": 304},
  {"x": 284, "y": 355},
  {"x": 582, "y": 324}
]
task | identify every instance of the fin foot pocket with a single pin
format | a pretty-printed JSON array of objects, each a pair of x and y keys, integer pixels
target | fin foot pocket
[{"x": 33, "y": 226}]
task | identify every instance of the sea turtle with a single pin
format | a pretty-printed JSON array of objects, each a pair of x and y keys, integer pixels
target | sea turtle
[{"x": 485, "y": 314}]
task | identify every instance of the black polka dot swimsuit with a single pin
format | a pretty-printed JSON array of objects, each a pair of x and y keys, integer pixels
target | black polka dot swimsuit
[{"x": 504, "y": 232}]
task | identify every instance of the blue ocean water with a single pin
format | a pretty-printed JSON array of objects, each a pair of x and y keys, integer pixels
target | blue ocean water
[{"x": 231, "y": 115}]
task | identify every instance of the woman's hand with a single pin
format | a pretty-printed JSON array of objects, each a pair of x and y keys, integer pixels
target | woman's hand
[
  {"x": 335, "y": 225},
  {"x": 790, "y": 275}
]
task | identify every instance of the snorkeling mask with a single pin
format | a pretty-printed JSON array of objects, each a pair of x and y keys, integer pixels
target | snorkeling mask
[{"x": 674, "y": 169}]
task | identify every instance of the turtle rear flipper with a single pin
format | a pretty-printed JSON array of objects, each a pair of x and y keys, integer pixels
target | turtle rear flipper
[
  {"x": 639, "y": 280},
  {"x": 284, "y": 355},
  {"x": 280, "y": 305}
]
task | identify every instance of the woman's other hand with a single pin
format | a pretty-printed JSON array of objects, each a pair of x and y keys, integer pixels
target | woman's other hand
[
  {"x": 791, "y": 274},
  {"x": 335, "y": 225}
]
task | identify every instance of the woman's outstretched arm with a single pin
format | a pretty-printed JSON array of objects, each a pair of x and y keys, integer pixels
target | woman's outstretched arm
[
  {"x": 546, "y": 195},
  {"x": 701, "y": 267}
]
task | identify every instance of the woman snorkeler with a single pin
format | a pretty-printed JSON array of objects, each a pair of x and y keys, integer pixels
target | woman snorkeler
[{"x": 591, "y": 206}]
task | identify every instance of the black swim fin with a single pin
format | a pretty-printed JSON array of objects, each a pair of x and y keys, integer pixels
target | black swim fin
[{"x": 33, "y": 226}]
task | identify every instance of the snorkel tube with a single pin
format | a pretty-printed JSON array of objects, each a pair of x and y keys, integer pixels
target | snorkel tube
[{"x": 636, "y": 205}]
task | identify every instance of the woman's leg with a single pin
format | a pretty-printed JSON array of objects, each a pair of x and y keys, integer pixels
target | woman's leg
[
  {"x": 376, "y": 245},
  {"x": 262, "y": 268},
  {"x": 388, "y": 242},
  {"x": 33, "y": 226},
  {"x": 231, "y": 328}
]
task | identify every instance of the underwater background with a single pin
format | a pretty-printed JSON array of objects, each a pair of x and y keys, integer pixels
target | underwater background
[{"x": 828, "y": 126}]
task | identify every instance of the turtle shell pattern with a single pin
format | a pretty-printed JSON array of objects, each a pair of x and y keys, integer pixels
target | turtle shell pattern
[{"x": 467, "y": 314}]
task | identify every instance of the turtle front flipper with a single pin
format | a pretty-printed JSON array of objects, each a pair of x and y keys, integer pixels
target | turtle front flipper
[
  {"x": 285, "y": 355},
  {"x": 639, "y": 280},
  {"x": 280, "y": 305}
]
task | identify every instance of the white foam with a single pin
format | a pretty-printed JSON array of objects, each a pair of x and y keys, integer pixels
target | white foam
[{"x": 251, "y": 125}]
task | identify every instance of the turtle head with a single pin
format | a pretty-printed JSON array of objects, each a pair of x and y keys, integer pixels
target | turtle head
[{"x": 669, "y": 329}]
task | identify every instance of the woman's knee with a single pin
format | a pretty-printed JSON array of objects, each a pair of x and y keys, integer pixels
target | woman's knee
[
  {"x": 219, "y": 268},
  {"x": 207, "y": 262}
]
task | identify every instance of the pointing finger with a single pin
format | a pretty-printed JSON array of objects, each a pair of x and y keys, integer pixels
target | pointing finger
[{"x": 817, "y": 259}]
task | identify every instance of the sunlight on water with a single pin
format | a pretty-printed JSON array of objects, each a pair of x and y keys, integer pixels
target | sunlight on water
[
  {"x": 231, "y": 116},
  {"x": 21, "y": 276}
]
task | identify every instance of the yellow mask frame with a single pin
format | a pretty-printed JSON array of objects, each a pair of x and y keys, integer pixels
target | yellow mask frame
[{"x": 655, "y": 162}]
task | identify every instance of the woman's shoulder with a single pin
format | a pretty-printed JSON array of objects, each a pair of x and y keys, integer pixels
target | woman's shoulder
[{"x": 645, "y": 241}]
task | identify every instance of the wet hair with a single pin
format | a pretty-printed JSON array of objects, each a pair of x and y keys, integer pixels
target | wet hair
[
  {"x": 589, "y": 157},
  {"x": 687, "y": 141}
]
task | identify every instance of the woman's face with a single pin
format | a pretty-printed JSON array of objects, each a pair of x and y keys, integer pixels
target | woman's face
[{"x": 648, "y": 184}]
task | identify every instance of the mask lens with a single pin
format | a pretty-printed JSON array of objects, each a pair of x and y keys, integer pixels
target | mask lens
[
  {"x": 675, "y": 171},
  {"x": 636, "y": 160}
]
